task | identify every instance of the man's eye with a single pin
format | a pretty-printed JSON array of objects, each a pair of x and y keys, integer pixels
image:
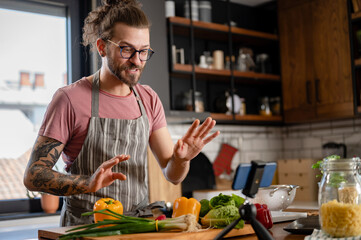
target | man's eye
[
  {"x": 127, "y": 49},
  {"x": 144, "y": 52}
]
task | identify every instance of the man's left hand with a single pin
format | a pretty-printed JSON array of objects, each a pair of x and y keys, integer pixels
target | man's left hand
[{"x": 191, "y": 144}]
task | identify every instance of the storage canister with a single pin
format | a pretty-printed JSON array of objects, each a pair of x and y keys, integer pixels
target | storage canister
[
  {"x": 195, "y": 14},
  {"x": 169, "y": 8},
  {"x": 205, "y": 11},
  {"x": 339, "y": 197}
]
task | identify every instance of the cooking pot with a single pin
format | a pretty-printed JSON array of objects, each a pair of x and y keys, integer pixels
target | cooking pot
[{"x": 277, "y": 197}]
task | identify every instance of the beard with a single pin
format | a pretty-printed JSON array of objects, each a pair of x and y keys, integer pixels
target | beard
[{"x": 119, "y": 71}]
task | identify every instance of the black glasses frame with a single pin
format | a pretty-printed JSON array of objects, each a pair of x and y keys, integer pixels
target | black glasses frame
[{"x": 149, "y": 55}]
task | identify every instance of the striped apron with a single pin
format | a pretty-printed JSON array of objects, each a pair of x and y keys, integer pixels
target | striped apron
[{"x": 107, "y": 138}]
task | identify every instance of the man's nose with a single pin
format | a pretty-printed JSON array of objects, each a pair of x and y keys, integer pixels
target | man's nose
[{"x": 135, "y": 58}]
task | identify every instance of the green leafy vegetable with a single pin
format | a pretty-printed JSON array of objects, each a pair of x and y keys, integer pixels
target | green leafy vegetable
[
  {"x": 204, "y": 207},
  {"x": 226, "y": 200},
  {"x": 335, "y": 178},
  {"x": 224, "y": 209},
  {"x": 222, "y": 216}
]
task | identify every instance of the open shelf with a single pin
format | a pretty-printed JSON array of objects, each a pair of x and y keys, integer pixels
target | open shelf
[
  {"x": 249, "y": 117},
  {"x": 356, "y": 15},
  {"x": 223, "y": 28},
  {"x": 226, "y": 73},
  {"x": 358, "y": 62}
]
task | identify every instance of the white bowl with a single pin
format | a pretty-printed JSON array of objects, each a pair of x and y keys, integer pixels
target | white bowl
[{"x": 276, "y": 197}]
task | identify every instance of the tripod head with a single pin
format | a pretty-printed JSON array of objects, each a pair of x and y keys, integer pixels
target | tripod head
[{"x": 248, "y": 211}]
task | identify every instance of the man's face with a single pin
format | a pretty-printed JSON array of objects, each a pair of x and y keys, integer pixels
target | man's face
[{"x": 127, "y": 70}]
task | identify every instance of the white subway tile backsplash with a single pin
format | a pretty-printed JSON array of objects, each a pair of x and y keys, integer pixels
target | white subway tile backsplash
[
  {"x": 304, "y": 153},
  {"x": 316, "y": 126},
  {"x": 271, "y": 156},
  {"x": 321, "y": 132},
  {"x": 292, "y": 143},
  {"x": 259, "y": 144},
  {"x": 317, "y": 153},
  {"x": 264, "y": 143},
  {"x": 275, "y": 144},
  {"x": 333, "y": 138},
  {"x": 312, "y": 142},
  {"x": 342, "y": 123},
  {"x": 289, "y": 154},
  {"x": 249, "y": 156},
  {"x": 246, "y": 145},
  {"x": 354, "y": 138}
]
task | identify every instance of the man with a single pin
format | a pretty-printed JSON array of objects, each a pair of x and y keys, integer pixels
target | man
[{"x": 102, "y": 124}]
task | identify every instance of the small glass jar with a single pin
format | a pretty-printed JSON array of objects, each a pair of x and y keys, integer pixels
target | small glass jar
[
  {"x": 198, "y": 101},
  {"x": 339, "y": 197}
]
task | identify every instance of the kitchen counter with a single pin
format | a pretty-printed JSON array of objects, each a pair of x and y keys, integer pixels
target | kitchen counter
[{"x": 247, "y": 234}]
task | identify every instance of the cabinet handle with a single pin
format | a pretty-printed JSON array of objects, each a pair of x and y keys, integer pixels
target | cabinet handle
[
  {"x": 317, "y": 88},
  {"x": 308, "y": 92}
]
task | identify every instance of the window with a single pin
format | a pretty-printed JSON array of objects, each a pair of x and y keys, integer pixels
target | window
[{"x": 40, "y": 52}]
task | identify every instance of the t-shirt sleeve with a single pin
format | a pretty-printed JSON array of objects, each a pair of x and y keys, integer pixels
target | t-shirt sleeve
[
  {"x": 59, "y": 118},
  {"x": 159, "y": 119},
  {"x": 159, "y": 115}
]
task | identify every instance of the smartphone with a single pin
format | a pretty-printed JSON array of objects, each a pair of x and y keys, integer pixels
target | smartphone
[{"x": 243, "y": 170}]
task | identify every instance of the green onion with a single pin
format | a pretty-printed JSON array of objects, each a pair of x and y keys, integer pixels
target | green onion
[{"x": 126, "y": 224}]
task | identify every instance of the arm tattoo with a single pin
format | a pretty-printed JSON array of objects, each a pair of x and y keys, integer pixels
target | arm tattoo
[{"x": 44, "y": 156}]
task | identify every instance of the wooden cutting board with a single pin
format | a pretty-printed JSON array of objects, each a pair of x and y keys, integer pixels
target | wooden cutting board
[{"x": 204, "y": 234}]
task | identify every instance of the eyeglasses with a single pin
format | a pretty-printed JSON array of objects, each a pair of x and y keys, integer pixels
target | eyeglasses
[{"x": 128, "y": 52}]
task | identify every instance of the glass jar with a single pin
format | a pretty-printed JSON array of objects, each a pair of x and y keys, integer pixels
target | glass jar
[
  {"x": 198, "y": 101},
  {"x": 339, "y": 197}
]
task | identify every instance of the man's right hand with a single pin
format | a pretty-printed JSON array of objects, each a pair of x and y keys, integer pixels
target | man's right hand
[{"x": 104, "y": 176}]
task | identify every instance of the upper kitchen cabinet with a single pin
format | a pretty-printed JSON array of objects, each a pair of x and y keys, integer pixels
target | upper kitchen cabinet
[
  {"x": 315, "y": 60},
  {"x": 355, "y": 26},
  {"x": 224, "y": 60}
]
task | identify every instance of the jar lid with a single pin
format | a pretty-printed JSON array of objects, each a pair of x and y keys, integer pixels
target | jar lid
[{"x": 336, "y": 163}]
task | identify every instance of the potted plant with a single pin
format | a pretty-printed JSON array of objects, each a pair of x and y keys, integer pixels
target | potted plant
[{"x": 49, "y": 202}]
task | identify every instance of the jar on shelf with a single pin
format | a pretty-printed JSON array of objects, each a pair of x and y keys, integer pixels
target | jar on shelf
[
  {"x": 169, "y": 8},
  {"x": 198, "y": 101},
  {"x": 275, "y": 103},
  {"x": 264, "y": 107},
  {"x": 339, "y": 197},
  {"x": 195, "y": 10}
]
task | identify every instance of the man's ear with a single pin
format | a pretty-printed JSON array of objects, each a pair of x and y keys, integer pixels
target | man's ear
[{"x": 101, "y": 47}]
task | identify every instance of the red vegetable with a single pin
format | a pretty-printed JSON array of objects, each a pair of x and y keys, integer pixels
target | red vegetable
[
  {"x": 161, "y": 217},
  {"x": 264, "y": 215}
]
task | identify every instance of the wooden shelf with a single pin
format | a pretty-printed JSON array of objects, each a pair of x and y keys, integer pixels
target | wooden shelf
[
  {"x": 359, "y": 109},
  {"x": 223, "y": 28},
  {"x": 254, "y": 118},
  {"x": 226, "y": 73},
  {"x": 358, "y": 62},
  {"x": 356, "y": 15},
  {"x": 259, "y": 118}
]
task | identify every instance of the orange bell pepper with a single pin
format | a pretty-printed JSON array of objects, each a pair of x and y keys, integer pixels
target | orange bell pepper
[
  {"x": 183, "y": 206},
  {"x": 107, "y": 203}
]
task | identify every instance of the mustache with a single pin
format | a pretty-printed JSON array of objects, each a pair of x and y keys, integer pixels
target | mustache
[{"x": 131, "y": 67}]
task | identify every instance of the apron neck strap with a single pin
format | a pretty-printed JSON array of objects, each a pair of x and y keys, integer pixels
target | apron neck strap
[{"x": 95, "y": 95}]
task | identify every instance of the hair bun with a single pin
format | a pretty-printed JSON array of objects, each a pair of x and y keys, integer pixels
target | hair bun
[{"x": 119, "y": 2}]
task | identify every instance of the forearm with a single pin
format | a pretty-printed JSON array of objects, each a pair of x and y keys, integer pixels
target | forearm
[
  {"x": 39, "y": 175},
  {"x": 46, "y": 180}
]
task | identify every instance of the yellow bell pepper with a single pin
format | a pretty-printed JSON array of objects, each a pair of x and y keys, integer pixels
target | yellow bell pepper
[
  {"x": 183, "y": 206},
  {"x": 107, "y": 203}
]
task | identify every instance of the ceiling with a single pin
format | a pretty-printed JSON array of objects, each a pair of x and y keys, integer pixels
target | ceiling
[{"x": 251, "y": 3}]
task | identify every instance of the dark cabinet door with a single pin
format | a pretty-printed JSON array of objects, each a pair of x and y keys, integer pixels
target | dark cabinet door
[
  {"x": 332, "y": 59},
  {"x": 295, "y": 27},
  {"x": 315, "y": 60}
]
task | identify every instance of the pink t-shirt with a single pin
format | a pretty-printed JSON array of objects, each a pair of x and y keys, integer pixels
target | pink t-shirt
[{"x": 67, "y": 116}]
